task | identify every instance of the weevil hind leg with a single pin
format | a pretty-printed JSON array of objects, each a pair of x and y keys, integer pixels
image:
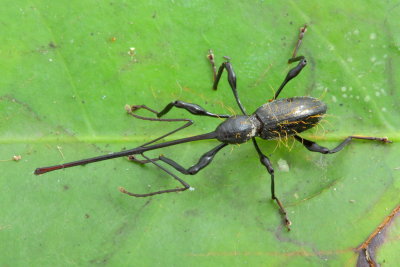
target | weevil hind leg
[
  {"x": 314, "y": 147},
  {"x": 185, "y": 185}
]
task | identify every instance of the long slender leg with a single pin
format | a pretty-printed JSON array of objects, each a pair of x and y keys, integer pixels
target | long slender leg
[
  {"x": 296, "y": 70},
  {"x": 314, "y": 147},
  {"x": 131, "y": 109},
  {"x": 192, "y": 108},
  {"x": 291, "y": 74},
  {"x": 141, "y": 161},
  {"x": 186, "y": 186},
  {"x": 203, "y": 162},
  {"x": 231, "y": 79},
  {"x": 211, "y": 57},
  {"x": 267, "y": 163},
  {"x": 298, "y": 44}
]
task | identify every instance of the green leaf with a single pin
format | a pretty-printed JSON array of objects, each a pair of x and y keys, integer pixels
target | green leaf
[{"x": 68, "y": 70}]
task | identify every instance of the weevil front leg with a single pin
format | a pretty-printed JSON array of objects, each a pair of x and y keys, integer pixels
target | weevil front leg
[
  {"x": 267, "y": 163},
  {"x": 186, "y": 186},
  {"x": 132, "y": 109},
  {"x": 314, "y": 147},
  {"x": 192, "y": 108},
  {"x": 231, "y": 78},
  {"x": 203, "y": 162}
]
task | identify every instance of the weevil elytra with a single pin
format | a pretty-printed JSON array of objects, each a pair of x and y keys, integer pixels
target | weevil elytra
[{"x": 274, "y": 119}]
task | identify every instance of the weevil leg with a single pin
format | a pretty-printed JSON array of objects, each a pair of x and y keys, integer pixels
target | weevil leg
[
  {"x": 298, "y": 44},
  {"x": 133, "y": 158},
  {"x": 291, "y": 74},
  {"x": 192, "y": 108},
  {"x": 203, "y": 162},
  {"x": 296, "y": 70},
  {"x": 314, "y": 147},
  {"x": 231, "y": 78},
  {"x": 267, "y": 163},
  {"x": 211, "y": 58},
  {"x": 131, "y": 109},
  {"x": 186, "y": 186}
]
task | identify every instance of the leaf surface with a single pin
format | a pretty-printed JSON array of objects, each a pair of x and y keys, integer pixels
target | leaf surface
[{"x": 68, "y": 69}]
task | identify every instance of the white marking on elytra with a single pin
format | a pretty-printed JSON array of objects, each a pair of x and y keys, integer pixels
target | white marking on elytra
[{"x": 253, "y": 131}]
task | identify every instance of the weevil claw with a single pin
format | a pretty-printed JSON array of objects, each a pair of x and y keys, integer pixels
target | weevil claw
[
  {"x": 122, "y": 190},
  {"x": 386, "y": 140},
  {"x": 128, "y": 108},
  {"x": 288, "y": 223}
]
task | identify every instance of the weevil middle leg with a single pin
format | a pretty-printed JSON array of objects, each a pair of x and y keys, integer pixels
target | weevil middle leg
[
  {"x": 186, "y": 186},
  {"x": 203, "y": 162},
  {"x": 267, "y": 163}
]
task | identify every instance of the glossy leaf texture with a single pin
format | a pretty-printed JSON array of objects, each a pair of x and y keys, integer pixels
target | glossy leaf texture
[{"x": 69, "y": 68}]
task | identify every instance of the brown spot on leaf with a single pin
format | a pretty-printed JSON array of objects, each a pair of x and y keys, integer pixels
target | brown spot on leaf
[{"x": 367, "y": 250}]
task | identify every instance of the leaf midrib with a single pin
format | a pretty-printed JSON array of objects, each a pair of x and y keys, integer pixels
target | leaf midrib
[{"x": 141, "y": 138}]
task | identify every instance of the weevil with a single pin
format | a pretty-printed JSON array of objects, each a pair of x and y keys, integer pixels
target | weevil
[{"x": 274, "y": 119}]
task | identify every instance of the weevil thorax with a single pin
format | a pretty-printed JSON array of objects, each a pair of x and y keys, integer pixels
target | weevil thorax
[
  {"x": 238, "y": 129},
  {"x": 289, "y": 116}
]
